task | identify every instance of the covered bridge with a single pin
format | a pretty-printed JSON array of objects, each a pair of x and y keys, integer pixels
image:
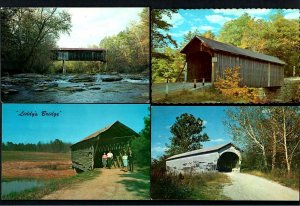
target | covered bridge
[
  {"x": 222, "y": 158},
  {"x": 86, "y": 154},
  {"x": 207, "y": 58},
  {"x": 79, "y": 54}
]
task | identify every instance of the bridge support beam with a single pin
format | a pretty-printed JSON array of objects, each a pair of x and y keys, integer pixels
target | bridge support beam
[{"x": 63, "y": 67}]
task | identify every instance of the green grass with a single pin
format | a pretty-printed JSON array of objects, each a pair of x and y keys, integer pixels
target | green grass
[
  {"x": 279, "y": 176},
  {"x": 51, "y": 186},
  {"x": 33, "y": 156},
  {"x": 209, "y": 95},
  {"x": 139, "y": 184}
]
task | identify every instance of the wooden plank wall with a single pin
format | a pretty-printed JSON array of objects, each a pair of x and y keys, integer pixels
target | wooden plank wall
[
  {"x": 83, "y": 157},
  {"x": 253, "y": 73}
]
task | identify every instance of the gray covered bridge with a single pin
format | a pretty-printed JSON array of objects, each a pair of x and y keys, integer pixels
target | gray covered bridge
[
  {"x": 222, "y": 158},
  {"x": 86, "y": 154},
  {"x": 207, "y": 59}
]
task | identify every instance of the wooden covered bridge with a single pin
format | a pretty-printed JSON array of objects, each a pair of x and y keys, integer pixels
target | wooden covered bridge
[
  {"x": 79, "y": 54},
  {"x": 222, "y": 158},
  {"x": 86, "y": 154},
  {"x": 206, "y": 59}
]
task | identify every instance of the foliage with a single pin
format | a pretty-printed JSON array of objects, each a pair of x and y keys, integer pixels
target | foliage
[
  {"x": 53, "y": 146},
  {"x": 141, "y": 146},
  {"x": 169, "y": 67},
  {"x": 128, "y": 51},
  {"x": 191, "y": 34},
  {"x": 205, "y": 186},
  {"x": 269, "y": 136},
  {"x": 28, "y": 34},
  {"x": 186, "y": 134},
  {"x": 229, "y": 85},
  {"x": 278, "y": 37},
  {"x": 160, "y": 26}
]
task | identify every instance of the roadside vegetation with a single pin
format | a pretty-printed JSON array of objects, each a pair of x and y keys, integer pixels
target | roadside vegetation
[
  {"x": 169, "y": 186},
  {"x": 269, "y": 136}
]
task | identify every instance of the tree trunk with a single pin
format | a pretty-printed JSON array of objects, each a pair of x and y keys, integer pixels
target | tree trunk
[
  {"x": 288, "y": 166},
  {"x": 265, "y": 158},
  {"x": 274, "y": 151}
]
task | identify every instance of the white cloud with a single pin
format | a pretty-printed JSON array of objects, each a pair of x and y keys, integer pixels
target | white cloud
[
  {"x": 292, "y": 14},
  {"x": 217, "y": 19},
  {"x": 217, "y": 140},
  {"x": 175, "y": 20},
  {"x": 90, "y": 25},
  {"x": 205, "y": 122},
  {"x": 158, "y": 149},
  {"x": 239, "y": 12}
]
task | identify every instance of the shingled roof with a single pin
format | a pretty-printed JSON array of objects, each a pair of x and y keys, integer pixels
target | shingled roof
[
  {"x": 219, "y": 46},
  {"x": 201, "y": 151},
  {"x": 117, "y": 130}
]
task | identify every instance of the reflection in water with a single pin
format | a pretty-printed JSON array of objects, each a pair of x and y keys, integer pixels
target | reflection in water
[{"x": 19, "y": 186}]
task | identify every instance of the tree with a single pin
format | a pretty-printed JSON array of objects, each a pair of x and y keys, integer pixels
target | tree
[
  {"x": 29, "y": 34},
  {"x": 186, "y": 134},
  {"x": 244, "y": 124},
  {"x": 141, "y": 146},
  {"x": 160, "y": 27}
]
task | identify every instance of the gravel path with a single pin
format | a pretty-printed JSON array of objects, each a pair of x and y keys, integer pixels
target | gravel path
[
  {"x": 250, "y": 187},
  {"x": 111, "y": 184}
]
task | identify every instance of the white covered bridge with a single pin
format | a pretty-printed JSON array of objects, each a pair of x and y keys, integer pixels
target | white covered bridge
[{"x": 222, "y": 158}]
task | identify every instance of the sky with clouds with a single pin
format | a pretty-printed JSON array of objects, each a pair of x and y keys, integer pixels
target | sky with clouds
[
  {"x": 90, "y": 25},
  {"x": 162, "y": 118},
  {"x": 213, "y": 19},
  {"x": 74, "y": 122}
]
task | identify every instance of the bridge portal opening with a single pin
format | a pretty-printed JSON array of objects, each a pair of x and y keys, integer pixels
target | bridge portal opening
[
  {"x": 227, "y": 162},
  {"x": 199, "y": 66}
]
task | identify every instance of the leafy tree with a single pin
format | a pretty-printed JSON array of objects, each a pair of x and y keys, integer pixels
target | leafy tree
[
  {"x": 186, "y": 134},
  {"x": 159, "y": 29},
  {"x": 128, "y": 51},
  {"x": 141, "y": 146},
  {"x": 28, "y": 36}
]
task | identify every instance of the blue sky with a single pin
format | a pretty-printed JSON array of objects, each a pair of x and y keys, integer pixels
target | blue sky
[
  {"x": 163, "y": 117},
  {"x": 75, "y": 121},
  {"x": 214, "y": 19},
  {"x": 90, "y": 25}
]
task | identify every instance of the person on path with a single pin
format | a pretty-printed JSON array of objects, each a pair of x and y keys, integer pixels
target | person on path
[
  {"x": 125, "y": 162},
  {"x": 104, "y": 160},
  {"x": 130, "y": 160},
  {"x": 110, "y": 157}
]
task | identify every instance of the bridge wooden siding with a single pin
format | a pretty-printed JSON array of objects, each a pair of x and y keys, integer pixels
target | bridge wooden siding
[{"x": 79, "y": 54}]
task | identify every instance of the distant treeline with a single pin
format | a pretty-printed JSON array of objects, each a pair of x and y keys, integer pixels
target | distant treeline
[{"x": 52, "y": 146}]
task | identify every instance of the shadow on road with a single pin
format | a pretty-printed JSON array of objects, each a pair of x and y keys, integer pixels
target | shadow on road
[{"x": 137, "y": 183}]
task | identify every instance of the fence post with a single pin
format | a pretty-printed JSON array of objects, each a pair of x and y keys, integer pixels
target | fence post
[
  {"x": 195, "y": 80},
  {"x": 203, "y": 81}
]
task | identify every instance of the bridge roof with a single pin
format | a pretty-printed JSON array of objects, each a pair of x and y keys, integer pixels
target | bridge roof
[{"x": 78, "y": 49}]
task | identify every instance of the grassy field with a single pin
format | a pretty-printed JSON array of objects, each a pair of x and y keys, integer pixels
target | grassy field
[
  {"x": 35, "y": 165},
  {"x": 280, "y": 177}
]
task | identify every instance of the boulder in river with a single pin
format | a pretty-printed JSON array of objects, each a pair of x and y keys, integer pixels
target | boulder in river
[
  {"x": 82, "y": 78},
  {"x": 10, "y": 91},
  {"x": 112, "y": 79},
  {"x": 72, "y": 89},
  {"x": 94, "y": 88}
]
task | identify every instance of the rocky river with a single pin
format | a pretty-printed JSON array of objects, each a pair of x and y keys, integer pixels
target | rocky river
[{"x": 70, "y": 88}]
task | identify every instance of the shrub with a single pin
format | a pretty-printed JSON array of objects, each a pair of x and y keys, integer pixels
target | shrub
[{"x": 229, "y": 86}]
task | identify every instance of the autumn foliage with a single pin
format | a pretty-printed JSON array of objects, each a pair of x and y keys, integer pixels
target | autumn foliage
[{"x": 229, "y": 86}]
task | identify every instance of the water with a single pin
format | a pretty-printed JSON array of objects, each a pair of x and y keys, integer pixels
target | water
[
  {"x": 19, "y": 186},
  {"x": 32, "y": 88}
]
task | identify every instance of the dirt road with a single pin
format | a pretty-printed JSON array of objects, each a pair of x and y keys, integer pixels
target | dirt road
[
  {"x": 250, "y": 187},
  {"x": 111, "y": 184}
]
